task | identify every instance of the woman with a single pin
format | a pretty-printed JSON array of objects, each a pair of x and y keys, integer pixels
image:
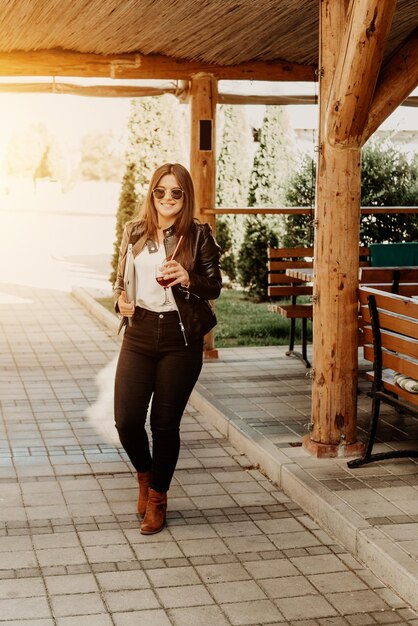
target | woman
[{"x": 161, "y": 354}]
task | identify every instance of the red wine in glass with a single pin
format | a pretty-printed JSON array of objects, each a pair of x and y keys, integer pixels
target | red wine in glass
[{"x": 163, "y": 281}]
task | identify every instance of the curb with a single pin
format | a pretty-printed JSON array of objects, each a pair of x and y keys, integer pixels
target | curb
[
  {"x": 84, "y": 297},
  {"x": 377, "y": 551}
]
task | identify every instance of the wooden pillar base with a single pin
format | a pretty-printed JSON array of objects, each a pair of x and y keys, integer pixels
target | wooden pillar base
[
  {"x": 329, "y": 450},
  {"x": 210, "y": 354}
]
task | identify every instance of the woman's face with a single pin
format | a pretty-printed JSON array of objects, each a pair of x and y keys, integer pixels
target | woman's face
[{"x": 167, "y": 207}]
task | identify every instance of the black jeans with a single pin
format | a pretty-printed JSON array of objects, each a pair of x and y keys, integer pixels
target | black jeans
[{"x": 154, "y": 362}]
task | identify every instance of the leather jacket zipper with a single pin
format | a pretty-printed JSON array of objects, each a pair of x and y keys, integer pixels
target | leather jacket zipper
[{"x": 183, "y": 330}]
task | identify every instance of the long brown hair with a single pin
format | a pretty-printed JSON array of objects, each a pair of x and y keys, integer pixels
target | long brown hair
[{"x": 184, "y": 219}]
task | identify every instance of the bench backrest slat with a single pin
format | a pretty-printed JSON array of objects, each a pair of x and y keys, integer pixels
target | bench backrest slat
[
  {"x": 398, "y": 323},
  {"x": 289, "y": 253},
  {"x": 279, "y": 260},
  {"x": 364, "y": 256},
  {"x": 388, "y": 274},
  {"x": 395, "y": 342},
  {"x": 390, "y": 302},
  {"x": 394, "y": 361},
  {"x": 276, "y": 266},
  {"x": 395, "y": 323},
  {"x": 404, "y": 289},
  {"x": 290, "y": 290}
]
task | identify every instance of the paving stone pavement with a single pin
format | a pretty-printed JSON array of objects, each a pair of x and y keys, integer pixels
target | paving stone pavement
[{"x": 236, "y": 550}]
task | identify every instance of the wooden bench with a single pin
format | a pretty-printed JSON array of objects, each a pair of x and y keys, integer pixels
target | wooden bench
[
  {"x": 400, "y": 280},
  {"x": 284, "y": 287},
  {"x": 390, "y": 326}
]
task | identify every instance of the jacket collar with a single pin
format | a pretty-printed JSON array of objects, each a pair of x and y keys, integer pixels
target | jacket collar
[
  {"x": 138, "y": 229},
  {"x": 169, "y": 232}
]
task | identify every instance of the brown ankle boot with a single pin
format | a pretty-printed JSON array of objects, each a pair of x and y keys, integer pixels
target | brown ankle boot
[
  {"x": 154, "y": 519},
  {"x": 144, "y": 479}
]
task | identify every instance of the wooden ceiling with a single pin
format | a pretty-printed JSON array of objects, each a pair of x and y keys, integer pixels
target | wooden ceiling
[{"x": 224, "y": 33}]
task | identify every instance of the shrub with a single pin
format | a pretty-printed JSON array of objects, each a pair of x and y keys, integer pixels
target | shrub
[
  {"x": 388, "y": 178},
  {"x": 128, "y": 202},
  {"x": 252, "y": 258},
  {"x": 232, "y": 183},
  {"x": 224, "y": 239},
  {"x": 300, "y": 191}
]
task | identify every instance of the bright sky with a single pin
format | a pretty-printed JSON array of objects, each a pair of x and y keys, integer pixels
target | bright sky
[{"x": 70, "y": 117}]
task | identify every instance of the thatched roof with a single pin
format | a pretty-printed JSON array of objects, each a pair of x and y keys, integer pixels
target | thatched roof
[{"x": 224, "y": 32}]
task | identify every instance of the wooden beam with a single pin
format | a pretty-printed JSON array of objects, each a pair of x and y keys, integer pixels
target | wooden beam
[
  {"x": 94, "y": 91},
  {"x": 233, "y": 98},
  {"x": 303, "y": 210},
  {"x": 397, "y": 79},
  {"x": 203, "y": 98},
  {"x": 332, "y": 18},
  {"x": 135, "y": 65},
  {"x": 182, "y": 93},
  {"x": 258, "y": 211},
  {"x": 411, "y": 101},
  {"x": 389, "y": 210},
  {"x": 359, "y": 60}
]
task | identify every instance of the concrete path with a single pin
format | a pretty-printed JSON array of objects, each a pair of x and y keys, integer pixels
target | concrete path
[
  {"x": 237, "y": 550},
  {"x": 260, "y": 399}
]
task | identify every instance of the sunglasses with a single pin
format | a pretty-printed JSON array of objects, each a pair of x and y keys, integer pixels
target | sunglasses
[{"x": 176, "y": 193}]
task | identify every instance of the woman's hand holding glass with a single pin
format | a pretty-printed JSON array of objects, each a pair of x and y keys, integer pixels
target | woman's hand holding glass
[
  {"x": 168, "y": 274},
  {"x": 126, "y": 308},
  {"x": 175, "y": 272}
]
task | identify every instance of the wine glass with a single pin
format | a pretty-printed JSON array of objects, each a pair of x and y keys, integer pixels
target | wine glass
[{"x": 164, "y": 282}]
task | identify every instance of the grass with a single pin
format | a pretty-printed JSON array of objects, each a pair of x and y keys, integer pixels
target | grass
[
  {"x": 242, "y": 322},
  {"x": 107, "y": 303}
]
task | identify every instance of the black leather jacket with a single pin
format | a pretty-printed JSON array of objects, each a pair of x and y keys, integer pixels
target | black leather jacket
[{"x": 196, "y": 315}]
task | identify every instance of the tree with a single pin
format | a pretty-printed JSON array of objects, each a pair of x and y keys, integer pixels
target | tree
[
  {"x": 43, "y": 170},
  {"x": 232, "y": 162},
  {"x": 25, "y": 150},
  {"x": 128, "y": 201},
  {"x": 156, "y": 135},
  {"x": 388, "y": 178},
  {"x": 272, "y": 165},
  {"x": 36, "y": 153},
  {"x": 99, "y": 157},
  {"x": 232, "y": 184},
  {"x": 226, "y": 244},
  {"x": 272, "y": 161},
  {"x": 300, "y": 191}
]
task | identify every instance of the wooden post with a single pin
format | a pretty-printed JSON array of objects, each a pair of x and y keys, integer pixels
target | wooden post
[
  {"x": 345, "y": 95},
  {"x": 203, "y": 98}
]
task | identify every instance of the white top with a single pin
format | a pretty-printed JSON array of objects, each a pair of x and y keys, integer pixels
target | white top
[{"x": 149, "y": 294}]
